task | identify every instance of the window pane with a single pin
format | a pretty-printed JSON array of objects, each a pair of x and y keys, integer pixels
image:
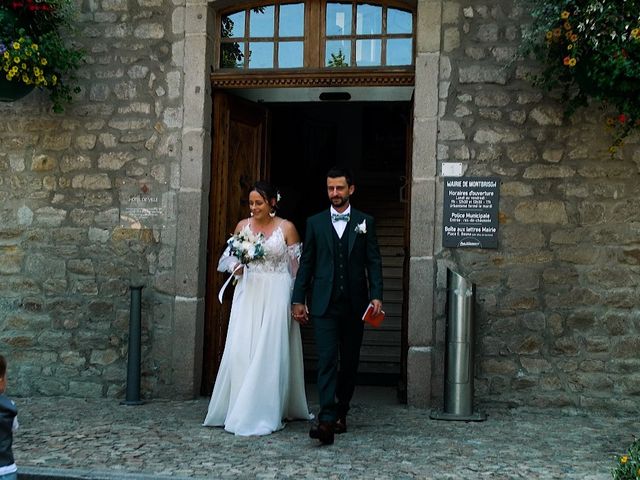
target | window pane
[
  {"x": 399, "y": 21},
  {"x": 290, "y": 54},
  {"x": 231, "y": 55},
  {"x": 261, "y": 55},
  {"x": 233, "y": 25},
  {"x": 261, "y": 21},
  {"x": 292, "y": 20},
  {"x": 338, "y": 53},
  {"x": 399, "y": 51},
  {"x": 338, "y": 19},
  {"x": 368, "y": 53},
  {"x": 368, "y": 20}
]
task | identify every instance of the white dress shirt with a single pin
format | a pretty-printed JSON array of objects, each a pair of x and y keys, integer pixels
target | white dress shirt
[{"x": 340, "y": 226}]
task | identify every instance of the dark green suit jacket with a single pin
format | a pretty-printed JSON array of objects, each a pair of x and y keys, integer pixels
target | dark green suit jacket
[{"x": 314, "y": 281}]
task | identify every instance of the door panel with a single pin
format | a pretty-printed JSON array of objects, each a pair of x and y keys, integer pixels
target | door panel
[{"x": 239, "y": 158}]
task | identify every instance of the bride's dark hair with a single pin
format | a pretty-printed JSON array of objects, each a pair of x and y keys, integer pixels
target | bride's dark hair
[{"x": 266, "y": 191}]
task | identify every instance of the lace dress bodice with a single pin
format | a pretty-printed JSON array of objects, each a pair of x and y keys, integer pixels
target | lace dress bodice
[
  {"x": 278, "y": 256},
  {"x": 275, "y": 258}
]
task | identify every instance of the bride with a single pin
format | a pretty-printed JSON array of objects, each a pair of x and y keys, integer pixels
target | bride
[{"x": 261, "y": 377}]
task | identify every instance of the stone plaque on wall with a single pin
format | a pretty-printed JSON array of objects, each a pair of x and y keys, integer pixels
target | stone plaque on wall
[
  {"x": 141, "y": 206},
  {"x": 471, "y": 212}
]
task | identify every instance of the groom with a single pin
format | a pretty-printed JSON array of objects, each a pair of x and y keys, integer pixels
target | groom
[{"x": 340, "y": 273}]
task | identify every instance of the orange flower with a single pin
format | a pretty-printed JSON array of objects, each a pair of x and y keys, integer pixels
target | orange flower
[
  {"x": 564, "y": 15},
  {"x": 610, "y": 122},
  {"x": 566, "y": 60},
  {"x": 556, "y": 32},
  {"x": 574, "y": 37},
  {"x": 622, "y": 118},
  {"x": 567, "y": 26}
]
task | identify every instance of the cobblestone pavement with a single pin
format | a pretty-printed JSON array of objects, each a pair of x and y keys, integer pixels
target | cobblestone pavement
[{"x": 100, "y": 439}]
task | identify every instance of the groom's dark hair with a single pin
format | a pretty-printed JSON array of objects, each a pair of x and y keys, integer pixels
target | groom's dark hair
[{"x": 335, "y": 172}]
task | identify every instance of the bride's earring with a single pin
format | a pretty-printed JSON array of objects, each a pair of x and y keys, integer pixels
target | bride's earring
[
  {"x": 272, "y": 213},
  {"x": 251, "y": 213}
]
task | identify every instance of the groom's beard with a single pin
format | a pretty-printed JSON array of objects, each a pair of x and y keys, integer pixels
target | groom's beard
[{"x": 338, "y": 202}]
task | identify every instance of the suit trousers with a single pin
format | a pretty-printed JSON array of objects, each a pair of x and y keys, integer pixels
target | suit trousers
[{"x": 338, "y": 335}]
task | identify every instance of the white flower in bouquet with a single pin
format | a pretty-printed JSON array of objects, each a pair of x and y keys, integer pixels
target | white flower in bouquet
[{"x": 246, "y": 246}]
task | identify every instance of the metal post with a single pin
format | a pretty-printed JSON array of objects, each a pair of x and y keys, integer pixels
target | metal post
[
  {"x": 459, "y": 371},
  {"x": 134, "y": 356}
]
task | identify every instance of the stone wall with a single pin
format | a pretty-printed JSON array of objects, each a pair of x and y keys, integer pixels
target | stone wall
[
  {"x": 66, "y": 258},
  {"x": 558, "y": 317}
]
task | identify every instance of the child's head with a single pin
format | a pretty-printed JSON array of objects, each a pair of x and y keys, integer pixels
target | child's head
[{"x": 3, "y": 374}]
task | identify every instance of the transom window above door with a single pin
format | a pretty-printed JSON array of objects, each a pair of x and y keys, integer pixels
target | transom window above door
[{"x": 316, "y": 34}]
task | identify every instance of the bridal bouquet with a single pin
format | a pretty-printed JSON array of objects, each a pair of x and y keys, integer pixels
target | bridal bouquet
[{"x": 246, "y": 246}]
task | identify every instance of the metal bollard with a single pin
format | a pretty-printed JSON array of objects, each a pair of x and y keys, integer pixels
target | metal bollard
[
  {"x": 134, "y": 356},
  {"x": 458, "y": 370}
]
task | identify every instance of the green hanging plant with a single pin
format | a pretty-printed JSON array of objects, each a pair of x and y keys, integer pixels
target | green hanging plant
[
  {"x": 590, "y": 50},
  {"x": 33, "y": 52}
]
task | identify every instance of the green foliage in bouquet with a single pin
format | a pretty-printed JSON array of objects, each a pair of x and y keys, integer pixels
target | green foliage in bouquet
[
  {"x": 33, "y": 50},
  {"x": 590, "y": 50},
  {"x": 628, "y": 467}
]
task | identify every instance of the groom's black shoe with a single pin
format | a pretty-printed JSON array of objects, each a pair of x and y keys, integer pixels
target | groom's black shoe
[
  {"x": 323, "y": 431},
  {"x": 341, "y": 425}
]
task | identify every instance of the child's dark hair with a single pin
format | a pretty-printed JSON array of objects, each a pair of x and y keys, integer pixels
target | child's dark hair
[
  {"x": 266, "y": 191},
  {"x": 3, "y": 366}
]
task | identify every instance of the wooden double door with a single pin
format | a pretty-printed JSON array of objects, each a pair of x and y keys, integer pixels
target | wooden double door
[{"x": 293, "y": 145}]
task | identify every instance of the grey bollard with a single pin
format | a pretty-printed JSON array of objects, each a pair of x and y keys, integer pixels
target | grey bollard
[
  {"x": 458, "y": 369},
  {"x": 134, "y": 353}
]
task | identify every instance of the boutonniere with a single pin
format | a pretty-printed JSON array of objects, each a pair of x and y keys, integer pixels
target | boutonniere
[{"x": 361, "y": 227}]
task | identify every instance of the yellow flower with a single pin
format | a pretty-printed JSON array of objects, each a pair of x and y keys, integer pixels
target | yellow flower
[
  {"x": 16, "y": 60},
  {"x": 610, "y": 121},
  {"x": 54, "y": 79},
  {"x": 570, "y": 46},
  {"x": 564, "y": 15},
  {"x": 25, "y": 79},
  {"x": 635, "y": 33},
  {"x": 43, "y": 61},
  {"x": 35, "y": 46},
  {"x": 16, "y": 46},
  {"x": 614, "y": 150},
  {"x": 549, "y": 34},
  {"x": 624, "y": 459},
  {"x": 24, "y": 66},
  {"x": 8, "y": 76},
  {"x": 572, "y": 62},
  {"x": 6, "y": 55}
]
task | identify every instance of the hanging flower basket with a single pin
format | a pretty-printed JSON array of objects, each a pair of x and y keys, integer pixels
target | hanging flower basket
[
  {"x": 34, "y": 51},
  {"x": 12, "y": 91},
  {"x": 590, "y": 51}
]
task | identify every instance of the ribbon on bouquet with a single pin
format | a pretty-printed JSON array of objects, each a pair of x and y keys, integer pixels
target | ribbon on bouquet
[{"x": 226, "y": 284}]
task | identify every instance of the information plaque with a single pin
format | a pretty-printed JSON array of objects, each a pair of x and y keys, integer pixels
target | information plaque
[{"x": 471, "y": 212}]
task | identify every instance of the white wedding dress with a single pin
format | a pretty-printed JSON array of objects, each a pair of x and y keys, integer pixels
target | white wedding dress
[{"x": 261, "y": 377}]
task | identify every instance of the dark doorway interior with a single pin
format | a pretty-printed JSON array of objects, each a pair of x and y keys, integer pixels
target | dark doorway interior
[{"x": 306, "y": 139}]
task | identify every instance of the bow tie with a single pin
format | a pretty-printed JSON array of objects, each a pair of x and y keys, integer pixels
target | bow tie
[{"x": 339, "y": 217}]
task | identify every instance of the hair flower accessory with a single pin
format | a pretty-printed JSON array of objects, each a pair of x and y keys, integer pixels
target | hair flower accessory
[
  {"x": 361, "y": 227},
  {"x": 278, "y": 196}
]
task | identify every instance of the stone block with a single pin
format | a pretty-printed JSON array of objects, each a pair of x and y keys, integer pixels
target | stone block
[
  {"x": 424, "y": 148},
  {"x": 187, "y": 347},
  {"x": 419, "y": 373},
  {"x": 483, "y": 74},
  {"x": 421, "y": 288},
  {"x": 422, "y": 220},
  {"x": 550, "y": 211},
  {"x": 193, "y": 217},
  {"x": 426, "y": 90},
  {"x": 428, "y": 26}
]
